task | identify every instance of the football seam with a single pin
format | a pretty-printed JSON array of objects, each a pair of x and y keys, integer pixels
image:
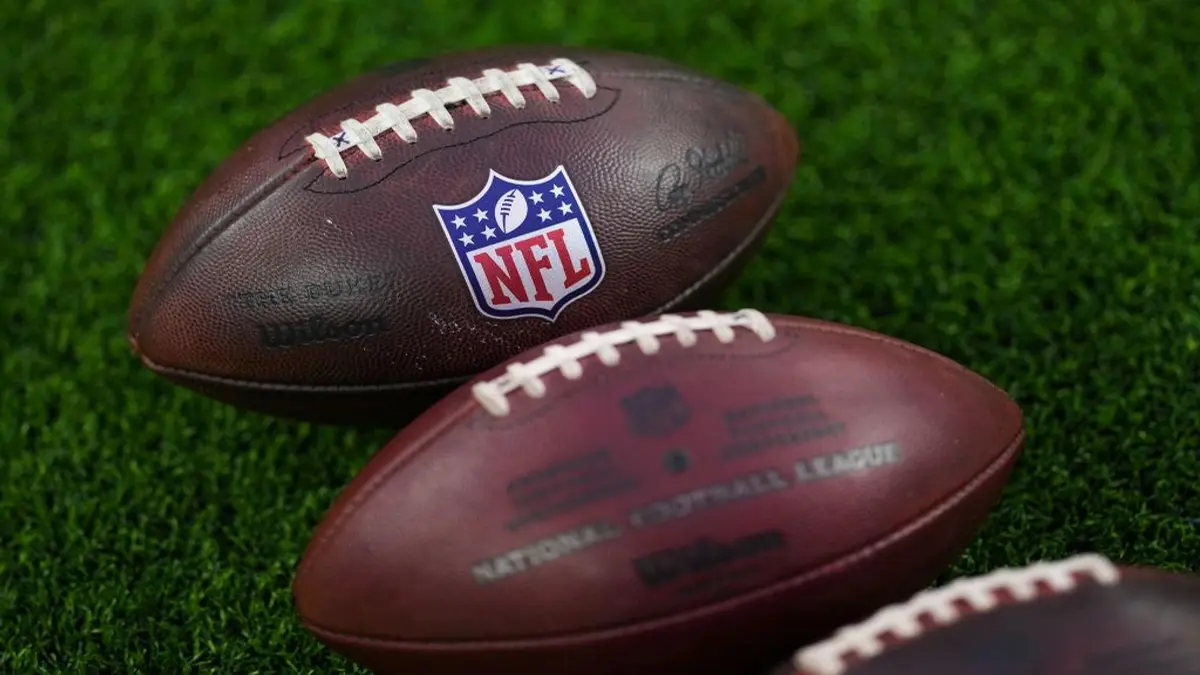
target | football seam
[
  {"x": 665, "y": 75},
  {"x": 843, "y": 562},
  {"x": 542, "y": 406},
  {"x": 299, "y": 164},
  {"x": 365, "y": 101},
  {"x": 216, "y": 229},
  {"x": 308, "y": 187},
  {"x": 949, "y": 604},
  {"x": 440, "y": 74},
  {"x": 717, "y": 269}
]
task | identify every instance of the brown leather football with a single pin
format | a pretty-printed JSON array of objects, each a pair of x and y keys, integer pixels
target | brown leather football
[
  {"x": 357, "y": 259},
  {"x": 676, "y": 495},
  {"x": 1080, "y": 616}
]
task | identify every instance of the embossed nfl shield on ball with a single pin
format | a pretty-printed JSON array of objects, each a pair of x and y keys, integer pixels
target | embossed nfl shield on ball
[{"x": 525, "y": 247}]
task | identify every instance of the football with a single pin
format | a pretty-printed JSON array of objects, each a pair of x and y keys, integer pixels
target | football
[
  {"x": 678, "y": 494},
  {"x": 362, "y": 256},
  {"x": 1079, "y": 616}
]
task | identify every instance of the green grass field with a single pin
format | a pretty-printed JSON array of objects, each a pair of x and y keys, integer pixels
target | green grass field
[{"x": 1014, "y": 186}]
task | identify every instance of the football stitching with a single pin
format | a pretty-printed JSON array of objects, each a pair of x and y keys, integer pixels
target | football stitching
[
  {"x": 980, "y": 594},
  {"x": 317, "y": 184},
  {"x": 527, "y": 376},
  {"x": 426, "y": 102}
]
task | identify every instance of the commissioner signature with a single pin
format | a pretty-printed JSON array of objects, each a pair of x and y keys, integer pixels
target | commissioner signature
[{"x": 679, "y": 182}]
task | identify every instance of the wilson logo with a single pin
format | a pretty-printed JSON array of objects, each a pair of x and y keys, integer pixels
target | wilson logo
[
  {"x": 704, "y": 555},
  {"x": 316, "y": 329}
]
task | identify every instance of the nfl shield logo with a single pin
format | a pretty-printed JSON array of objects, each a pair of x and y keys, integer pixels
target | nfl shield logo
[
  {"x": 525, "y": 247},
  {"x": 655, "y": 411}
]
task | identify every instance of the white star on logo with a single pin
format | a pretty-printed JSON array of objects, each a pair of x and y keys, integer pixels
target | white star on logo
[
  {"x": 489, "y": 233},
  {"x": 479, "y": 215},
  {"x": 467, "y": 240},
  {"x": 535, "y": 197},
  {"x": 565, "y": 208},
  {"x": 544, "y": 215},
  {"x": 459, "y": 221},
  {"x": 557, "y": 191}
]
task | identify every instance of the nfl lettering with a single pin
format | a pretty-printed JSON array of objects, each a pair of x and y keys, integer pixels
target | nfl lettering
[{"x": 526, "y": 248}]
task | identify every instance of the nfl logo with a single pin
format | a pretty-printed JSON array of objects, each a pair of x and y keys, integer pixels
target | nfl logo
[
  {"x": 525, "y": 247},
  {"x": 655, "y": 411}
]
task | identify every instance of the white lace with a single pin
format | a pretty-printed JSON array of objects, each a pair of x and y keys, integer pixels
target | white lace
[
  {"x": 398, "y": 118},
  {"x": 493, "y": 394},
  {"x": 865, "y": 640}
]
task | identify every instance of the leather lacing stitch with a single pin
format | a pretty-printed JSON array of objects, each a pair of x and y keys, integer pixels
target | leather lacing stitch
[
  {"x": 865, "y": 640},
  {"x": 493, "y": 394},
  {"x": 398, "y": 118}
]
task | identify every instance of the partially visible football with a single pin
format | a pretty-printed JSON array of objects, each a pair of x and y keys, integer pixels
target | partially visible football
[
  {"x": 686, "y": 494},
  {"x": 360, "y": 257},
  {"x": 1079, "y": 616}
]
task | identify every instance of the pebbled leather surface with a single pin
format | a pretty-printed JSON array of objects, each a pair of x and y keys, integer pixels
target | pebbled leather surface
[
  {"x": 1149, "y": 624},
  {"x": 272, "y": 246},
  {"x": 389, "y": 577}
]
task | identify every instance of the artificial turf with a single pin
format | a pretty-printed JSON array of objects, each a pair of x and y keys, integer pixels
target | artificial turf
[{"x": 1013, "y": 185}]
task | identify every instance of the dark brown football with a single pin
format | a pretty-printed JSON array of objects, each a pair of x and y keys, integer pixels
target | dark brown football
[
  {"x": 357, "y": 259},
  {"x": 681, "y": 495},
  {"x": 1080, "y": 616}
]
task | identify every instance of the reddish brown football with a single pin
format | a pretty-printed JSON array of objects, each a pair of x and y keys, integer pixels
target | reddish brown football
[
  {"x": 1079, "y": 616},
  {"x": 674, "y": 495},
  {"x": 360, "y": 257}
]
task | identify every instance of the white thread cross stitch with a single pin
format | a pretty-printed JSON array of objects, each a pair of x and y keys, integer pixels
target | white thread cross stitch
[
  {"x": 493, "y": 394},
  {"x": 865, "y": 640},
  {"x": 398, "y": 118}
]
